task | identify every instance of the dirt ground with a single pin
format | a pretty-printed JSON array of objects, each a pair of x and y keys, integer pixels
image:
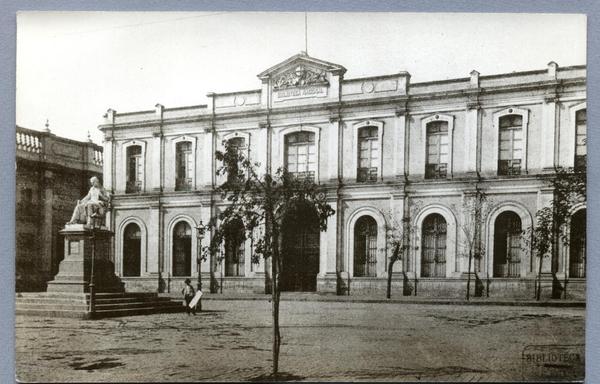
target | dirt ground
[{"x": 231, "y": 341}]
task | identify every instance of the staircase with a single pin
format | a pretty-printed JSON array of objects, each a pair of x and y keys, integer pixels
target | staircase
[{"x": 76, "y": 305}]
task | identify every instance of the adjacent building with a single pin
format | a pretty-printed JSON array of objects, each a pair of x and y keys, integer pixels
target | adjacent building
[
  {"x": 386, "y": 150},
  {"x": 52, "y": 173}
]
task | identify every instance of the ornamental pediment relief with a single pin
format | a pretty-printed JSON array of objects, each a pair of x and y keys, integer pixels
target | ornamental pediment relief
[{"x": 300, "y": 76}]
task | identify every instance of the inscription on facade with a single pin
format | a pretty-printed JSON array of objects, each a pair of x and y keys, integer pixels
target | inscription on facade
[{"x": 300, "y": 92}]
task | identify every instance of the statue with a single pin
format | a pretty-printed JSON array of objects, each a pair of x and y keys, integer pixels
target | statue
[{"x": 92, "y": 208}]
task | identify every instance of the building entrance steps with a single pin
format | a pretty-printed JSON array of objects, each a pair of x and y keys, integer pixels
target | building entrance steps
[
  {"x": 399, "y": 299},
  {"x": 54, "y": 304}
]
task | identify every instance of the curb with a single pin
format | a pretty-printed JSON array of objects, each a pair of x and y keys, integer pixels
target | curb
[{"x": 335, "y": 299}]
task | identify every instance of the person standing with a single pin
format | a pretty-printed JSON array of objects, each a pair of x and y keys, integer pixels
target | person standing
[{"x": 188, "y": 294}]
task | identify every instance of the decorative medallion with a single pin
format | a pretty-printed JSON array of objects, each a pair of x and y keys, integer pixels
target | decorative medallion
[
  {"x": 239, "y": 100},
  {"x": 368, "y": 87}
]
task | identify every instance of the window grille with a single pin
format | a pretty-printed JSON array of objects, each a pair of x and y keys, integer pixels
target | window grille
[{"x": 433, "y": 257}]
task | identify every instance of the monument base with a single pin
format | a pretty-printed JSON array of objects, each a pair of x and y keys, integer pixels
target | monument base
[{"x": 85, "y": 247}]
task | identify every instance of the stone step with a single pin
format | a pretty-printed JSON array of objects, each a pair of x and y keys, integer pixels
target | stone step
[
  {"x": 137, "y": 311},
  {"x": 57, "y": 304},
  {"x": 51, "y": 313},
  {"x": 52, "y": 306},
  {"x": 51, "y": 300},
  {"x": 100, "y": 299},
  {"x": 137, "y": 304}
]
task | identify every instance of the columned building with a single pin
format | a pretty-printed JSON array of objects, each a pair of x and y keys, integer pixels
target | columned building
[
  {"x": 389, "y": 153},
  {"x": 52, "y": 174}
]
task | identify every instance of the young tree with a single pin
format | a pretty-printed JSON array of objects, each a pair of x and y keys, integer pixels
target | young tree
[
  {"x": 569, "y": 188},
  {"x": 474, "y": 208},
  {"x": 398, "y": 240},
  {"x": 261, "y": 203}
]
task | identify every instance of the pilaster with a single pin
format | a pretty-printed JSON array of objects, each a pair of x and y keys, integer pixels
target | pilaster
[
  {"x": 333, "y": 149},
  {"x": 548, "y": 136},
  {"x": 471, "y": 138},
  {"x": 399, "y": 143}
]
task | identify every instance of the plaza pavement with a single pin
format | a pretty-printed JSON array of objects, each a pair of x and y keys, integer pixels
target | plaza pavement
[{"x": 322, "y": 341}]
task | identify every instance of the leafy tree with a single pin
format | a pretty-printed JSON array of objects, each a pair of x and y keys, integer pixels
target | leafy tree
[
  {"x": 262, "y": 203},
  {"x": 569, "y": 188}
]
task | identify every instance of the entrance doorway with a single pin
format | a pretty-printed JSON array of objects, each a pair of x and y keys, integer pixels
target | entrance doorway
[{"x": 300, "y": 250}]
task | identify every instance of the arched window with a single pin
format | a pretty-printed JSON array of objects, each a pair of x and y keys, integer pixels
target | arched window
[
  {"x": 437, "y": 150},
  {"x": 235, "y": 254},
  {"x": 580, "y": 139},
  {"x": 135, "y": 169},
  {"x": 365, "y": 247},
  {"x": 301, "y": 154},
  {"x": 185, "y": 166},
  {"x": 510, "y": 145},
  {"x": 132, "y": 246},
  {"x": 182, "y": 249},
  {"x": 433, "y": 258},
  {"x": 577, "y": 244},
  {"x": 507, "y": 245},
  {"x": 368, "y": 154}
]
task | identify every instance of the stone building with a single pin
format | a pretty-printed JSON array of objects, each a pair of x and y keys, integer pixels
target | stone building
[
  {"x": 387, "y": 150},
  {"x": 52, "y": 173}
]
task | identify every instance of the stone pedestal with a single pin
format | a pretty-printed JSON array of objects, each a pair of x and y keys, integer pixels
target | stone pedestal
[{"x": 81, "y": 245}]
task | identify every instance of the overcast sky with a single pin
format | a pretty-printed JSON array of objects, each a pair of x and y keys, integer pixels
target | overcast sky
[{"x": 72, "y": 67}]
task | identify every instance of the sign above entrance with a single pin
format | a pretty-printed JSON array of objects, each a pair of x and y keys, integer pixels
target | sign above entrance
[{"x": 299, "y": 93}]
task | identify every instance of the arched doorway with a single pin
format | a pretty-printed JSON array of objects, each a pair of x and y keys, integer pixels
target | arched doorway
[
  {"x": 182, "y": 249},
  {"x": 577, "y": 244},
  {"x": 433, "y": 257},
  {"x": 507, "y": 245},
  {"x": 365, "y": 247},
  {"x": 300, "y": 249},
  {"x": 132, "y": 246},
  {"x": 235, "y": 237}
]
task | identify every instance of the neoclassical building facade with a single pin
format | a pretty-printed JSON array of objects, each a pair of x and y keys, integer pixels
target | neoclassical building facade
[{"x": 389, "y": 154}]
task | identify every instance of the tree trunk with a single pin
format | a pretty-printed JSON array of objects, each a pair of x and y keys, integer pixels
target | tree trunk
[
  {"x": 539, "y": 282},
  {"x": 275, "y": 268},
  {"x": 389, "y": 282},
  {"x": 390, "y": 266},
  {"x": 469, "y": 274}
]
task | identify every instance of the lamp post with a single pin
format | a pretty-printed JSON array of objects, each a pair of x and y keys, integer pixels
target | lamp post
[
  {"x": 92, "y": 286},
  {"x": 200, "y": 230}
]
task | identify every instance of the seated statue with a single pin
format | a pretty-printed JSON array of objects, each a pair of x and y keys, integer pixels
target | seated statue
[{"x": 92, "y": 208}]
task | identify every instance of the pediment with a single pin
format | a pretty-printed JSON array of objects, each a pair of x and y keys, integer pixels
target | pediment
[{"x": 300, "y": 70}]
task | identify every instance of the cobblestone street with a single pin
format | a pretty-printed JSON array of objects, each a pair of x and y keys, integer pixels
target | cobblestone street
[{"x": 231, "y": 340}]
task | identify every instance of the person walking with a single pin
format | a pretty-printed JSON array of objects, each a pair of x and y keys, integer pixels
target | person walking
[{"x": 188, "y": 294}]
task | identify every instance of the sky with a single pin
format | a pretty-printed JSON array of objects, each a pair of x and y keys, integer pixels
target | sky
[{"x": 73, "y": 66}]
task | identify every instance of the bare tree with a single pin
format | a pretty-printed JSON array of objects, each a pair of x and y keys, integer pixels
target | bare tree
[
  {"x": 398, "y": 240},
  {"x": 474, "y": 208},
  {"x": 261, "y": 203},
  {"x": 569, "y": 188}
]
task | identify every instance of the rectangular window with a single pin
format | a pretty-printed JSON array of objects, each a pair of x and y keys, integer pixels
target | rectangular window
[
  {"x": 239, "y": 144},
  {"x": 510, "y": 145},
  {"x": 301, "y": 154},
  {"x": 368, "y": 154},
  {"x": 437, "y": 150},
  {"x": 580, "y": 140},
  {"x": 134, "y": 169},
  {"x": 183, "y": 181}
]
